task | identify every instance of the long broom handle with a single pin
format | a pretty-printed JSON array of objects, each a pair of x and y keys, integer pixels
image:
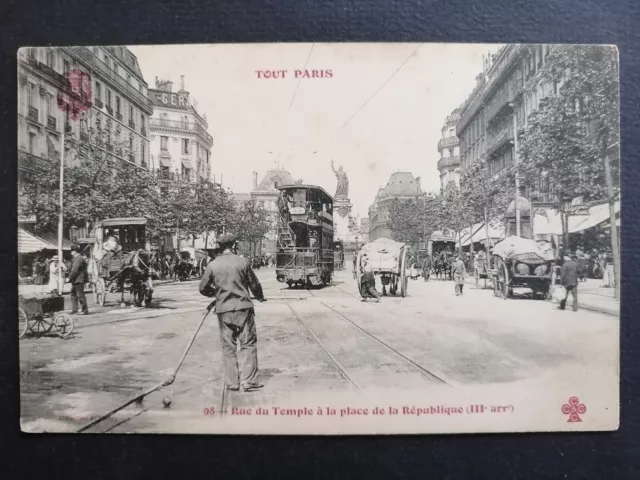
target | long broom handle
[{"x": 168, "y": 381}]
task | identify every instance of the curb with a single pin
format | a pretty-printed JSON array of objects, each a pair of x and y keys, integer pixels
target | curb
[{"x": 593, "y": 308}]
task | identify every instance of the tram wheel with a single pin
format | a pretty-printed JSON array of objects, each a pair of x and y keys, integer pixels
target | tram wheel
[{"x": 100, "y": 291}]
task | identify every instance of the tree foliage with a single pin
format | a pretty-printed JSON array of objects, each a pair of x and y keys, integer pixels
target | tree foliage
[
  {"x": 565, "y": 136},
  {"x": 250, "y": 222}
]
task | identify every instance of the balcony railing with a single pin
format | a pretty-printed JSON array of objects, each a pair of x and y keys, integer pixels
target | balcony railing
[
  {"x": 51, "y": 122},
  {"x": 110, "y": 110},
  {"x": 494, "y": 141},
  {"x": 132, "y": 158},
  {"x": 84, "y": 136},
  {"x": 98, "y": 103},
  {"x": 143, "y": 131},
  {"x": 33, "y": 114},
  {"x": 67, "y": 128},
  {"x": 449, "y": 162},
  {"x": 180, "y": 125},
  {"x": 132, "y": 124},
  {"x": 57, "y": 78},
  {"x": 498, "y": 102},
  {"x": 448, "y": 142},
  {"x": 30, "y": 162},
  {"x": 119, "y": 116}
]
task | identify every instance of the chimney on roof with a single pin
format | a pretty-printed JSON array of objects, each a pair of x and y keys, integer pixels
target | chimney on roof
[
  {"x": 182, "y": 83},
  {"x": 255, "y": 180}
]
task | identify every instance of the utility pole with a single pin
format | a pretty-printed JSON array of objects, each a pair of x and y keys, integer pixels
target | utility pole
[
  {"x": 615, "y": 246},
  {"x": 515, "y": 162},
  {"x": 61, "y": 219}
]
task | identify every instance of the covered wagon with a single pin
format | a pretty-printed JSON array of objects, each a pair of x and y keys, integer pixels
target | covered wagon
[{"x": 388, "y": 259}]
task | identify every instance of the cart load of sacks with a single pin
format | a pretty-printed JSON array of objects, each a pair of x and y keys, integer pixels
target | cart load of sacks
[{"x": 381, "y": 254}]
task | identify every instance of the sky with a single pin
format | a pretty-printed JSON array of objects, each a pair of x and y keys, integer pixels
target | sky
[{"x": 380, "y": 111}]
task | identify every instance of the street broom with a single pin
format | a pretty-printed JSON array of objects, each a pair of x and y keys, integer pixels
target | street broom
[{"x": 166, "y": 400}]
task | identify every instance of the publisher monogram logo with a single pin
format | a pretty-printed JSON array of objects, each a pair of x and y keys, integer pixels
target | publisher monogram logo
[{"x": 574, "y": 409}]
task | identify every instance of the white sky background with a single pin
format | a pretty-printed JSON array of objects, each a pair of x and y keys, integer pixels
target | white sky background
[{"x": 397, "y": 130}]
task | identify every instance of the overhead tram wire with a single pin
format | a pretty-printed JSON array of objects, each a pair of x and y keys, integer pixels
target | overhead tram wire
[
  {"x": 293, "y": 98},
  {"x": 380, "y": 87}
]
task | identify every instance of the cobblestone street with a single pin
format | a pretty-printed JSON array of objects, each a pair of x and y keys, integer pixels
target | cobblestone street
[{"x": 310, "y": 343}]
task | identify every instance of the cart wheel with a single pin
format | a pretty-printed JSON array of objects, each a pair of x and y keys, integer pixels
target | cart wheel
[
  {"x": 64, "y": 324},
  {"x": 39, "y": 324},
  {"x": 403, "y": 274},
  {"x": 496, "y": 290},
  {"x": 404, "y": 287},
  {"x": 23, "y": 324},
  {"x": 100, "y": 291},
  {"x": 505, "y": 290}
]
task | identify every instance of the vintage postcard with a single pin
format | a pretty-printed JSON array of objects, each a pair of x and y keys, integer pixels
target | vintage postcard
[{"x": 319, "y": 238}]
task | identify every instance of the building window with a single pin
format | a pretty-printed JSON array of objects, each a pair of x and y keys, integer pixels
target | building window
[
  {"x": 131, "y": 112},
  {"x": 142, "y": 120},
  {"x": 98, "y": 122},
  {"x": 50, "y": 58},
  {"x": 185, "y": 146},
  {"x": 49, "y": 105},
  {"x": 33, "y": 95},
  {"x": 32, "y": 143},
  {"x": 142, "y": 151},
  {"x": 118, "y": 111},
  {"x": 108, "y": 98},
  {"x": 163, "y": 143},
  {"x": 67, "y": 68},
  {"x": 98, "y": 91}
]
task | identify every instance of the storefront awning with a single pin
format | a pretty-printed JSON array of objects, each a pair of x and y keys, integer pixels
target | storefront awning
[
  {"x": 30, "y": 243},
  {"x": 478, "y": 233},
  {"x": 551, "y": 222},
  {"x": 186, "y": 163}
]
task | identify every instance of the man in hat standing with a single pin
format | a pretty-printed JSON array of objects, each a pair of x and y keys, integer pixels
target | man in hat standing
[
  {"x": 569, "y": 278},
  {"x": 229, "y": 279},
  {"x": 458, "y": 271},
  {"x": 78, "y": 276}
]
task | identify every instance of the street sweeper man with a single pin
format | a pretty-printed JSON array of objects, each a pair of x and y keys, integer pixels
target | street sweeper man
[{"x": 229, "y": 278}]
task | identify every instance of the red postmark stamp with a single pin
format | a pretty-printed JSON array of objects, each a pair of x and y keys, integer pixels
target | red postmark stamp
[
  {"x": 78, "y": 99},
  {"x": 574, "y": 409}
]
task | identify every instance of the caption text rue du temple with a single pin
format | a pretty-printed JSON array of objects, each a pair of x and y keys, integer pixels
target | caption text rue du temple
[{"x": 351, "y": 411}]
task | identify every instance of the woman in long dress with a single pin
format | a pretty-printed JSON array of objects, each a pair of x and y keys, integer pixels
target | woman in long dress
[{"x": 54, "y": 268}]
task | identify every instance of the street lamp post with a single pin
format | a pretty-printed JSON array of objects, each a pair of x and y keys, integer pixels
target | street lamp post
[{"x": 61, "y": 218}]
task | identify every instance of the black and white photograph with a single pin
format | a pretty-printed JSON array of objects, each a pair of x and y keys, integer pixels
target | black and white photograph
[{"x": 319, "y": 238}]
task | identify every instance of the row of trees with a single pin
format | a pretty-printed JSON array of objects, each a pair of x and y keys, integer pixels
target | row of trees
[
  {"x": 571, "y": 142},
  {"x": 100, "y": 186}
]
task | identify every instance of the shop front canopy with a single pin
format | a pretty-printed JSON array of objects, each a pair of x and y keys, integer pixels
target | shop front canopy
[
  {"x": 551, "y": 222},
  {"x": 478, "y": 234},
  {"x": 29, "y": 242}
]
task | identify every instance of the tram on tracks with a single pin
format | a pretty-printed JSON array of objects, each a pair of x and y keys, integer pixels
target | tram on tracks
[{"x": 305, "y": 246}]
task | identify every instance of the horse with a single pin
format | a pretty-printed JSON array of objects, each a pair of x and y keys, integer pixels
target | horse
[
  {"x": 442, "y": 264},
  {"x": 136, "y": 267}
]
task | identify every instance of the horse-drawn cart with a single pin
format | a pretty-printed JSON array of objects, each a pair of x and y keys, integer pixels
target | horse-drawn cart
[
  {"x": 482, "y": 269},
  {"x": 522, "y": 263},
  {"x": 39, "y": 315},
  {"x": 119, "y": 254},
  {"x": 388, "y": 259}
]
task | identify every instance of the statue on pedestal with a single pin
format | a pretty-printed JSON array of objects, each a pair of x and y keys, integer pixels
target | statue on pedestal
[{"x": 342, "y": 189}]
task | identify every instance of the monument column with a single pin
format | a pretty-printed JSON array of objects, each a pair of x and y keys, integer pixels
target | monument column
[{"x": 341, "y": 206}]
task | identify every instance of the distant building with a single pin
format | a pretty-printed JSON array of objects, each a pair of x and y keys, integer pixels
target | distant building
[
  {"x": 449, "y": 149},
  {"x": 265, "y": 194},
  {"x": 180, "y": 143},
  {"x": 401, "y": 186}
]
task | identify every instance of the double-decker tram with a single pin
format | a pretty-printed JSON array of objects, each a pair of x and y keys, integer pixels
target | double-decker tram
[{"x": 304, "y": 254}]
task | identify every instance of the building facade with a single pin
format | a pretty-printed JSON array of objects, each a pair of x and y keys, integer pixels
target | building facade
[
  {"x": 96, "y": 96},
  {"x": 449, "y": 150},
  {"x": 180, "y": 143},
  {"x": 495, "y": 115},
  {"x": 401, "y": 186}
]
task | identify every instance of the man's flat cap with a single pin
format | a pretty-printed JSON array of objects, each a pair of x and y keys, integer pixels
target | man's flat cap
[{"x": 227, "y": 238}]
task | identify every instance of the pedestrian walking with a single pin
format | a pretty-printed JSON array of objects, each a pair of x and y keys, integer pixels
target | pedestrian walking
[
  {"x": 427, "y": 265},
  {"x": 569, "y": 279},
  {"x": 39, "y": 271},
  {"x": 54, "y": 268},
  {"x": 458, "y": 270},
  {"x": 368, "y": 285},
  {"x": 229, "y": 278},
  {"x": 78, "y": 276}
]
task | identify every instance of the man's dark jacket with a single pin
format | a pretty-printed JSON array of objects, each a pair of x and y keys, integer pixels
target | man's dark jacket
[
  {"x": 569, "y": 273},
  {"x": 78, "y": 273}
]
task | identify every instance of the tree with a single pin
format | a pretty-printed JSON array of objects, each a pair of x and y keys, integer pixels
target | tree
[
  {"x": 573, "y": 138},
  {"x": 413, "y": 221},
  {"x": 97, "y": 185},
  {"x": 250, "y": 222}
]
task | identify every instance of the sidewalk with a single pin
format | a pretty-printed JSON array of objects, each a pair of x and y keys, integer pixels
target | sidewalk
[
  {"x": 43, "y": 290},
  {"x": 592, "y": 295}
]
